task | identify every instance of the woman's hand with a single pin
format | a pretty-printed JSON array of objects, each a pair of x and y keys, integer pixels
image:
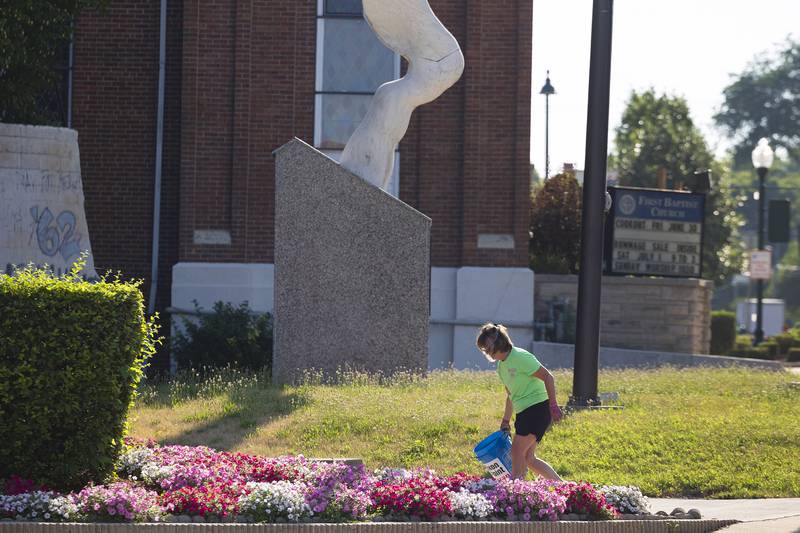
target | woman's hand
[
  {"x": 555, "y": 412},
  {"x": 505, "y": 425}
]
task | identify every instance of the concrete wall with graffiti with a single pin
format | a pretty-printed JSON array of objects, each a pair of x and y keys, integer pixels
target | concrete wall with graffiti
[{"x": 42, "y": 220}]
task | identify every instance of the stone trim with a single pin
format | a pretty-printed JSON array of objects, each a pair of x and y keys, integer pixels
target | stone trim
[{"x": 616, "y": 526}]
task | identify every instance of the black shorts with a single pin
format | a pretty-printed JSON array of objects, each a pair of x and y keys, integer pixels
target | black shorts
[{"x": 534, "y": 420}]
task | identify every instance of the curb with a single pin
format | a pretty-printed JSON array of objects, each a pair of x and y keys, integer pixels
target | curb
[{"x": 616, "y": 526}]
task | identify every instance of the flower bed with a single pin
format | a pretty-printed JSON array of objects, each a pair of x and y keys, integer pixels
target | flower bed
[{"x": 181, "y": 484}]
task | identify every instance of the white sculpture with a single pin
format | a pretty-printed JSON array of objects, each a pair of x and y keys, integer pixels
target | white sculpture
[{"x": 410, "y": 28}]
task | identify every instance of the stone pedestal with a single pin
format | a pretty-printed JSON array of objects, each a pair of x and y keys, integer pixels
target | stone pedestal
[
  {"x": 352, "y": 272},
  {"x": 42, "y": 220}
]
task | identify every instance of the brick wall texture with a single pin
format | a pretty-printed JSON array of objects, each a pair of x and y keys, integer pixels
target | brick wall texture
[
  {"x": 658, "y": 314},
  {"x": 240, "y": 83}
]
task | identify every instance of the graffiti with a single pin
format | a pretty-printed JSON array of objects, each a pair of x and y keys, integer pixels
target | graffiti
[
  {"x": 45, "y": 182},
  {"x": 69, "y": 182},
  {"x": 56, "y": 235},
  {"x": 15, "y": 220}
]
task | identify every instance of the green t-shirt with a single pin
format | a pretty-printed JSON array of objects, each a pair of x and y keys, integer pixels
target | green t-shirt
[{"x": 516, "y": 374}]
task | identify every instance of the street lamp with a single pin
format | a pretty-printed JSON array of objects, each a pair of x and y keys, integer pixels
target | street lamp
[
  {"x": 762, "y": 160},
  {"x": 547, "y": 90}
]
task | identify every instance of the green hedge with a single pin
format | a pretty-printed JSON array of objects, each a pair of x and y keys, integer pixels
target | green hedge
[
  {"x": 756, "y": 352},
  {"x": 723, "y": 332},
  {"x": 226, "y": 336},
  {"x": 772, "y": 349},
  {"x": 793, "y": 355},
  {"x": 71, "y": 356}
]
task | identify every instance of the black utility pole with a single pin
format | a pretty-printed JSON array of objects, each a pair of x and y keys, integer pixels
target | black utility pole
[
  {"x": 762, "y": 160},
  {"x": 587, "y": 345},
  {"x": 759, "y": 333}
]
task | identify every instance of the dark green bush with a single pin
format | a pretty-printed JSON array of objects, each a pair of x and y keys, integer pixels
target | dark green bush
[
  {"x": 744, "y": 341},
  {"x": 785, "y": 341},
  {"x": 723, "y": 332},
  {"x": 752, "y": 353},
  {"x": 794, "y": 355},
  {"x": 227, "y": 336},
  {"x": 773, "y": 350},
  {"x": 71, "y": 356}
]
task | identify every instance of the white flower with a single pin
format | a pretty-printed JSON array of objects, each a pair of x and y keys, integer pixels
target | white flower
[
  {"x": 31, "y": 505},
  {"x": 628, "y": 500},
  {"x": 469, "y": 505},
  {"x": 132, "y": 461},
  {"x": 281, "y": 499}
]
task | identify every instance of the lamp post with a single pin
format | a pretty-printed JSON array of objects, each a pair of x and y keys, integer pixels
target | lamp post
[
  {"x": 762, "y": 160},
  {"x": 547, "y": 90},
  {"x": 595, "y": 200}
]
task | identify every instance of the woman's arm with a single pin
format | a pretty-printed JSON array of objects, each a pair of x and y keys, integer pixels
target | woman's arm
[
  {"x": 505, "y": 425},
  {"x": 550, "y": 385}
]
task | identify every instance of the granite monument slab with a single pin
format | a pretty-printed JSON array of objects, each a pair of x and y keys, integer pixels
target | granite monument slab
[{"x": 352, "y": 272}]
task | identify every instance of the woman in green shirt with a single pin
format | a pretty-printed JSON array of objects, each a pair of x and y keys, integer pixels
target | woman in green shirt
[{"x": 531, "y": 396}]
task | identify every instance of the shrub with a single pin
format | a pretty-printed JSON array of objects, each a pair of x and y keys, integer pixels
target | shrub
[
  {"x": 227, "y": 336},
  {"x": 758, "y": 352},
  {"x": 556, "y": 226},
  {"x": 71, "y": 356},
  {"x": 785, "y": 341},
  {"x": 744, "y": 341},
  {"x": 723, "y": 332},
  {"x": 773, "y": 351},
  {"x": 794, "y": 355}
]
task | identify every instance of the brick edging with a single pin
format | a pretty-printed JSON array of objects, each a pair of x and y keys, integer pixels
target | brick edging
[{"x": 616, "y": 526}]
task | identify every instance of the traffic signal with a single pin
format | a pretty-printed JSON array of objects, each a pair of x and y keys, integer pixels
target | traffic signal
[{"x": 779, "y": 221}]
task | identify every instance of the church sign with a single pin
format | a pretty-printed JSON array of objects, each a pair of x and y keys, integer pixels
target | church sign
[{"x": 653, "y": 232}]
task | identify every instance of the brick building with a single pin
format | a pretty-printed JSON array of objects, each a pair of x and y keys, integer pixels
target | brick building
[{"x": 242, "y": 77}]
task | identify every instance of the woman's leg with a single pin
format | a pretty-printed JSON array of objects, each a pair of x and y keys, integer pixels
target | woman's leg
[
  {"x": 519, "y": 452},
  {"x": 539, "y": 466}
]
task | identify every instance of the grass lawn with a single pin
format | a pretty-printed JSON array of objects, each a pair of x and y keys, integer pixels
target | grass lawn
[{"x": 724, "y": 433}]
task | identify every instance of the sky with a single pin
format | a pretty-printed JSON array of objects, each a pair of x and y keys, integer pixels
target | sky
[{"x": 686, "y": 48}]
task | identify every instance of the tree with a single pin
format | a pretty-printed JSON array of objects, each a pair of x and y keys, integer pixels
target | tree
[
  {"x": 555, "y": 244},
  {"x": 657, "y": 132},
  {"x": 764, "y": 101},
  {"x": 31, "y": 35}
]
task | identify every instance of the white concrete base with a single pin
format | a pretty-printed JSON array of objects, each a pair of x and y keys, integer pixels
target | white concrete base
[
  {"x": 444, "y": 288},
  {"x": 500, "y": 295},
  {"x": 235, "y": 283},
  {"x": 462, "y": 299}
]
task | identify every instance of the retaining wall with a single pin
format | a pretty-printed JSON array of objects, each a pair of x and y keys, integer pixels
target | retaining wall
[{"x": 656, "y": 314}]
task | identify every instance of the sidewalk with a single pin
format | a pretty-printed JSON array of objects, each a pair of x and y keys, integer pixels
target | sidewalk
[{"x": 773, "y": 515}]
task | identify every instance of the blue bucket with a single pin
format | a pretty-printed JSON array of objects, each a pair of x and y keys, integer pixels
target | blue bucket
[{"x": 495, "y": 453}]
